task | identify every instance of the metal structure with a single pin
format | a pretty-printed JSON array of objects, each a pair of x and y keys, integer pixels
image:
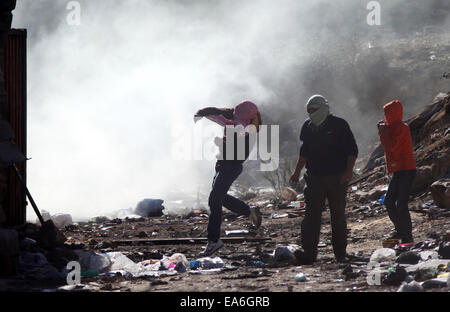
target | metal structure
[{"x": 15, "y": 75}]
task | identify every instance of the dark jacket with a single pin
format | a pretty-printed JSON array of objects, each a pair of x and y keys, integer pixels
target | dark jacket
[{"x": 327, "y": 147}]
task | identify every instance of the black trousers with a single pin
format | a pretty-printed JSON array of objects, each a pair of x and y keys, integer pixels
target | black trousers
[
  {"x": 226, "y": 173},
  {"x": 396, "y": 202},
  {"x": 317, "y": 189}
]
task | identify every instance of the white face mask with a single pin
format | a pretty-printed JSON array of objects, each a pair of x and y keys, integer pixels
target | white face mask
[{"x": 319, "y": 116}]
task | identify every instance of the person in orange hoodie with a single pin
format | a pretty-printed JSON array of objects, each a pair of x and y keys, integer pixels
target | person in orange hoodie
[{"x": 396, "y": 140}]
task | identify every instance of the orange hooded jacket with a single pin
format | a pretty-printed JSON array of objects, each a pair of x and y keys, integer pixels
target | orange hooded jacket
[{"x": 396, "y": 141}]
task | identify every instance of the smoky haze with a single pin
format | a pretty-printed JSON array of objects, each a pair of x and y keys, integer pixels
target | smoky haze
[{"x": 111, "y": 99}]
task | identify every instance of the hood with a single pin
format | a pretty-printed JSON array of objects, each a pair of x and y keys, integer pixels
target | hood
[
  {"x": 393, "y": 111},
  {"x": 244, "y": 112}
]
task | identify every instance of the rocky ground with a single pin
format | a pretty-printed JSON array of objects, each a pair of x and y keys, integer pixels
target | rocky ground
[{"x": 249, "y": 265}]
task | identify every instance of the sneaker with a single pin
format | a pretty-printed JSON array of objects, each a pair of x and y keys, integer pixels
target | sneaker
[
  {"x": 342, "y": 260},
  {"x": 394, "y": 235},
  {"x": 255, "y": 217},
  {"x": 211, "y": 248},
  {"x": 407, "y": 240}
]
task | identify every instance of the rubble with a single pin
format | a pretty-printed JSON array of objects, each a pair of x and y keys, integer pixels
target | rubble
[
  {"x": 440, "y": 191},
  {"x": 426, "y": 270},
  {"x": 59, "y": 219},
  {"x": 373, "y": 194}
]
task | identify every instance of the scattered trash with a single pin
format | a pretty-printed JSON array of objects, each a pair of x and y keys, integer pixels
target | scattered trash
[
  {"x": 279, "y": 216},
  {"x": 259, "y": 263},
  {"x": 90, "y": 273},
  {"x": 428, "y": 254},
  {"x": 409, "y": 279},
  {"x": 285, "y": 253},
  {"x": 383, "y": 254},
  {"x": 90, "y": 260},
  {"x": 207, "y": 263},
  {"x": 194, "y": 264},
  {"x": 288, "y": 194},
  {"x": 236, "y": 232},
  {"x": 395, "y": 276},
  {"x": 300, "y": 277},
  {"x": 443, "y": 275},
  {"x": 381, "y": 200},
  {"x": 177, "y": 261}
]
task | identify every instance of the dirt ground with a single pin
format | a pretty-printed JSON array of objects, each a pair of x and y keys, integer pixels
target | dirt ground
[{"x": 241, "y": 274}]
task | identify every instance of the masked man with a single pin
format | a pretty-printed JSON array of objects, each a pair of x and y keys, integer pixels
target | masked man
[
  {"x": 396, "y": 140},
  {"x": 229, "y": 167},
  {"x": 329, "y": 152}
]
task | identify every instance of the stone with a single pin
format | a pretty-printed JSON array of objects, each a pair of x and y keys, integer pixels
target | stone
[
  {"x": 373, "y": 194},
  {"x": 435, "y": 283},
  {"x": 426, "y": 270},
  {"x": 383, "y": 254},
  {"x": 440, "y": 191},
  {"x": 408, "y": 257},
  {"x": 411, "y": 287},
  {"x": 444, "y": 250},
  {"x": 423, "y": 179}
]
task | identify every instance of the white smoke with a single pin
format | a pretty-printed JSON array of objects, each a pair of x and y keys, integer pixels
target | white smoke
[{"x": 110, "y": 98}]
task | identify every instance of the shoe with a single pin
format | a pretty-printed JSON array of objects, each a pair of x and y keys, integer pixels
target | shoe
[
  {"x": 255, "y": 217},
  {"x": 408, "y": 240},
  {"x": 342, "y": 260},
  {"x": 211, "y": 248},
  {"x": 394, "y": 235}
]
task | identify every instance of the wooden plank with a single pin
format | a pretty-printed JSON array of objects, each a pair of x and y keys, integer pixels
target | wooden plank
[{"x": 186, "y": 240}]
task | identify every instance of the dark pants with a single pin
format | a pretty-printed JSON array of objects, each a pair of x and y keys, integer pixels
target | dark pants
[
  {"x": 396, "y": 202},
  {"x": 226, "y": 173},
  {"x": 317, "y": 189}
]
